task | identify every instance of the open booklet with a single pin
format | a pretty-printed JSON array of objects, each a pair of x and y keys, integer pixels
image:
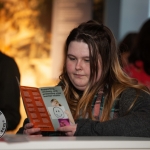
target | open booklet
[{"x": 46, "y": 107}]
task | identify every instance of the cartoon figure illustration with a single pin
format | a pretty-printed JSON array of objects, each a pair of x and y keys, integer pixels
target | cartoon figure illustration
[{"x": 58, "y": 111}]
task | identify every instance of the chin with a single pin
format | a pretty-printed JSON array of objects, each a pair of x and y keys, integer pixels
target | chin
[{"x": 81, "y": 88}]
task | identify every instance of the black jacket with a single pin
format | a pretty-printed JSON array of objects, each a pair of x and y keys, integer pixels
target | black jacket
[
  {"x": 9, "y": 91},
  {"x": 134, "y": 123}
]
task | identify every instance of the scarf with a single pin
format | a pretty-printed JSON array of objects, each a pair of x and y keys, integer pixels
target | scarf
[{"x": 98, "y": 105}]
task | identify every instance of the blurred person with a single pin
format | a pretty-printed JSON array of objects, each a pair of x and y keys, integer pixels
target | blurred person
[
  {"x": 125, "y": 47},
  {"x": 139, "y": 59},
  {"x": 9, "y": 91}
]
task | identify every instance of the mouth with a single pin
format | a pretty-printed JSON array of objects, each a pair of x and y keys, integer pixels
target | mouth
[{"x": 78, "y": 75}]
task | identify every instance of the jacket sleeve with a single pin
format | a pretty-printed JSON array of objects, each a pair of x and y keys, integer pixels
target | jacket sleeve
[{"x": 135, "y": 123}]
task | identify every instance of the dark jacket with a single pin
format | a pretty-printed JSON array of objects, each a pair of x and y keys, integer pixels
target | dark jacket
[
  {"x": 9, "y": 91},
  {"x": 134, "y": 123}
]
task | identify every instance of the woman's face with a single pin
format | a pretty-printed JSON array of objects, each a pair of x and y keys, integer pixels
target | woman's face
[{"x": 78, "y": 64}]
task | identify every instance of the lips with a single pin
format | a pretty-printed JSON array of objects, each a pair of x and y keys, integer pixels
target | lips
[{"x": 78, "y": 75}]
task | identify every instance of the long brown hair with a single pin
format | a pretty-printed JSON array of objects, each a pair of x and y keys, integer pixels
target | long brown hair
[{"x": 101, "y": 42}]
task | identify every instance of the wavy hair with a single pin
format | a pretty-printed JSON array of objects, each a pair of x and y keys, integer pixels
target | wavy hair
[{"x": 113, "y": 81}]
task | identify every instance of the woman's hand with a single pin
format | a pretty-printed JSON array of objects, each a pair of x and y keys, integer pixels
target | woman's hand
[
  {"x": 70, "y": 117},
  {"x": 69, "y": 130},
  {"x": 30, "y": 130}
]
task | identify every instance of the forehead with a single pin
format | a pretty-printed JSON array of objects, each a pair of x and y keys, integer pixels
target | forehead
[{"x": 78, "y": 48}]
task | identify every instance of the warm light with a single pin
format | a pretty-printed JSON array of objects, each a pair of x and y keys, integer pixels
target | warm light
[{"x": 24, "y": 38}]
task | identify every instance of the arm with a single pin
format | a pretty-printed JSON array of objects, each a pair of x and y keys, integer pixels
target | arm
[
  {"x": 9, "y": 93},
  {"x": 135, "y": 123}
]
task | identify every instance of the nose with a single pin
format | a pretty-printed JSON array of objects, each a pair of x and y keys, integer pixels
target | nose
[{"x": 78, "y": 65}]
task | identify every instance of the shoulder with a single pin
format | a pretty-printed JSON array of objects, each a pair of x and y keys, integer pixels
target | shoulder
[
  {"x": 8, "y": 68},
  {"x": 135, "y": 98},
  {"x": 4, "y": 57},
  {"x": 7, "y": 62},
  {"x": 132, "y": 93}
]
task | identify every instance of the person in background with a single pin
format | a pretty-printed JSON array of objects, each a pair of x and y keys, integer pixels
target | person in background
[
  {"x": 104, "y": 101},
  {"x": 125, "y": 47},
  {"x": 139, "y": 59},
  {"x": 9, "y": 91}
]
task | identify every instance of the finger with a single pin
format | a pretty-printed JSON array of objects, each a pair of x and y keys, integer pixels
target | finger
[
  {"x": 65, "y": 129},
  {"x": 68, "y": 127},
  {"x": 38, "y": 135},
  {"x": 28, "y": 126},
  {"x": 32, "y": 131},
  {"x": 69, "y": 133}
]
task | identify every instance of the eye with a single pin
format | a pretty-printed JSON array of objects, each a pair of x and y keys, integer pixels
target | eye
[
  {"x": 87, "y": 60},
  {"x": 71, "y": 58}
]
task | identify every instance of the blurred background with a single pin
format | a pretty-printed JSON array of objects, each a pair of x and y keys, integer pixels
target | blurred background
[{"x": 33, "y": 32}]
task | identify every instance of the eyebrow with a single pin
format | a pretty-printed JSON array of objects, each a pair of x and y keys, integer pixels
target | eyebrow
[{"x": 75, "y": 56}]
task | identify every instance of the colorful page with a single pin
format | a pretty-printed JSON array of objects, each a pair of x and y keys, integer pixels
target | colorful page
[
  {"x": 57, "y": 106},
  {"x": 35, "y": 108}
]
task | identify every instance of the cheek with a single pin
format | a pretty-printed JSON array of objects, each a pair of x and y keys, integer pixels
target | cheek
[
  {"x": 86, "y": 69},
  {"x": 69, "y": 67}
]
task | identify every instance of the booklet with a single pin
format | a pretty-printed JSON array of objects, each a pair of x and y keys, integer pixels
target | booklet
[{"x": 46, "y": 107}]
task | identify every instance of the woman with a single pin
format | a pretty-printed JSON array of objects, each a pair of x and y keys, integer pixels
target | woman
[{"x": 104, "y": 101}]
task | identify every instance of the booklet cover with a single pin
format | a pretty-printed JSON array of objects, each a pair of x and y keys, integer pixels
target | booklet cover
[{"x": 46, "y": 107}]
